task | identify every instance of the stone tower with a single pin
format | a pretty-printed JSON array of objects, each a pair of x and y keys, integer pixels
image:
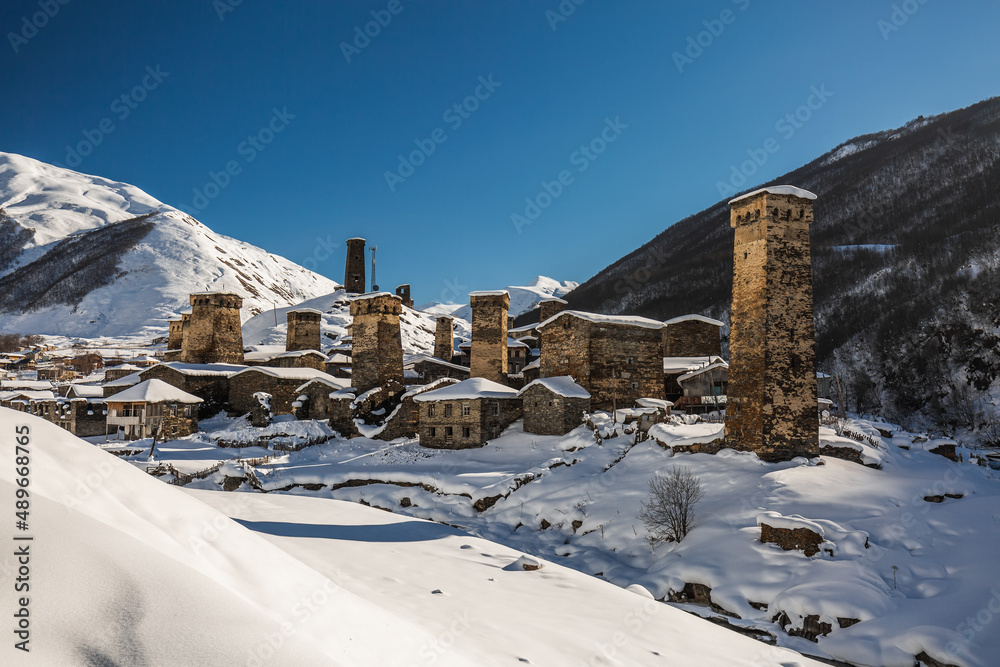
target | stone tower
[
  {"x": 444, "y": 338},
  {"x": 377, "y": 347},
  {"x": 213, "y": 335},
  {"x": 772, "y": 347},
  {"x": 489, "y": 335},
  {"x": 303, "y": 330},
  {"x": 403, "y": 292},
  {"x": 354, "y": 270},
  {"x": 176, "y": 336},
  {"x": 550, "y": 308}
]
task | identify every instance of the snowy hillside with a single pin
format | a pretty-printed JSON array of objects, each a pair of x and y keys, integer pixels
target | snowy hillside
[
  {"x": 522, "y": 298},
  {"x": 416, "y": 328},
  {"x": 164, "y": 576},
  {"x": 80, "y": 269}
]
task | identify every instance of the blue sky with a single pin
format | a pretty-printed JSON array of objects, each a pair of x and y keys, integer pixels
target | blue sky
[{"x": 615, "y": 119}]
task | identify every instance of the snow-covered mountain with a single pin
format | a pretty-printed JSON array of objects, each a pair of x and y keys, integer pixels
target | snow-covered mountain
[
  {"x": 86, "y": 256},
  {"x": 522, "y": 298}
]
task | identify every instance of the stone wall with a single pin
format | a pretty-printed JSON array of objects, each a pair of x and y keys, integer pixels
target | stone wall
[
  {"x": 341, "y": 417},
  {"x": 212, "y": 389},
  {"x": 489, "y": 335},
  {"x": 405, "y": 422},
  {"x": 550, "y": 308},
  {"x": 692, "y": 338},
  {"x": 548, "y": 413},
  {"x": 436, "y": 418},
  {"x": 175, "y": 337},
  {"x": 772, "y": 375},
  {"x": 177, "y": 425},
  {"x": 800, "y": 539},
  {"x": 444, "y": 339},
  {"x": 354, "y": 267},
  {"x": 310, "y": 359},
  {"x": 377, "y": 350},
  {"x": 213, "y": 334},
  {"x": 244, "y": 385},
  {"x": 616, "y": 363},
  {"x": 429, "y": 371},
  {"x": 303, "y": 330}
]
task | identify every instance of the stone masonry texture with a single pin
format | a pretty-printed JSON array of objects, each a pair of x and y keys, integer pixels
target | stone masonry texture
[
  {"x": 213, "y": 334},
  {"x": 772, "y": 368},
  {"x": 489, "y": 336},
  {"x": 377, "y": 352},
  {"x": 302, "y": 331},
  {"x": 691, "y": 339},
  {"x": 354, "y": 268}
]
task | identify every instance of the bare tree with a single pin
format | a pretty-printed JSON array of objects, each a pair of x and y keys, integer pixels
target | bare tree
[{"x": 669, "y": 513}]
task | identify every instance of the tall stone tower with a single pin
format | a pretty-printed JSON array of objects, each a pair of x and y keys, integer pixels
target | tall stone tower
[
  {"x": 550, "y": 308},
  {"x": 489, "y": 335},
  {"x": 213, "y": 335},
  {"x": 444, "y": 338},
  {"x": 354, "y": 270},
  {"x": 303, "y": 330},
  {"x": 772, "y": 347},
  {"x": 377, "y": 347},
  {"x": 403, "y": 292}
]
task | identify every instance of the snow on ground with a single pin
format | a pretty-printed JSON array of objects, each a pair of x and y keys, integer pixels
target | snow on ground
[
  {"x": 522, "y": 298},
  {"x": 927, "y": 569},
  {"x": 128, "y": 570}
]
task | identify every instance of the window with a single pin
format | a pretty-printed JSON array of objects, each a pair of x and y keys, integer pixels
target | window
[
  {"x": 430, "y": 410},
  {"x": 447, "y": 410},
  {"x": 448, "y": 431},
  {"x": 173, "y": 410},
  {"x": 466, "y": 410},
  {"x": 466, "y": 432},
  {"x": 634, "y": 386},
  {"x": 495, "y": 409},
  {"x": 434, "y": 432}
]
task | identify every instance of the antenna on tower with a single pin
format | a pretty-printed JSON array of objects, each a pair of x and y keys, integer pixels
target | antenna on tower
[{"x": 374, "y": 284}]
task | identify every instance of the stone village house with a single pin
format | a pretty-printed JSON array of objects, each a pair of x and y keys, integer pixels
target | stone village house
[
  {"x": 466, "y": 414},
  {"x": 153, "y": 408}
]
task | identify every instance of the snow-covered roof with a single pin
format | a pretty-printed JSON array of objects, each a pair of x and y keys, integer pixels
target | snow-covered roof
[
  {"x": 695, "y": 318},
  {"x": 527, "y": 327},
  {"x": 672, "y": 365},
  {"x": 562, "y": 385},
  {"x": 268, "y": 356},
  {"x": 469, "y": 389},
  {"x": 86, "y": 390},
  {"x": 537, "y": 363},
  {"x": 426, "y": 388},
  {"x": 126, "y": 381},
  {"x": 554, "y": 299},
  {"x": 822, "y": 375},
  {"x": 372, "y": 295},
  {"x": 710, "y": 367},
  {"x": 777, "y": 190},
  {"x": 153, "y": 391},
  {"x": 653, "y": 403},
  {"x": 630, "y": 320},
  {"x": 306, "y": 310},
  {"x": 124, "y": 367},
  {"x": 338, "y": 358},
  {"x": 330, "y": 381},
  {"x": 410, "y": 360},
  {"x": 26, "y": 394},
  {"x": 513, "y": 342},
  {"x": 356, "y": 238},
  {"x": 495, "y": 292},
  {"x": 203, "y": 369},
  {"x": 285, "y": 373},
  {"x": 34, "y": 385}
]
